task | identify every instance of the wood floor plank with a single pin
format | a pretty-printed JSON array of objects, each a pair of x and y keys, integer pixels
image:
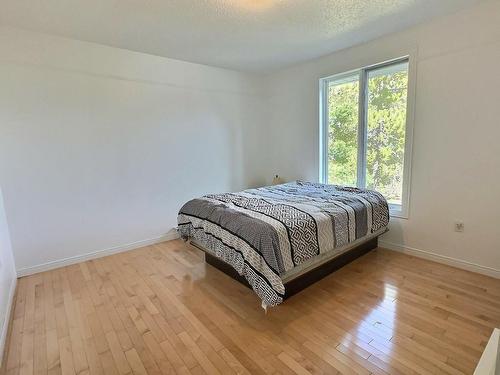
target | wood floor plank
[
  {"x": 53, "y": 354},
  {"x": 66, "y": 356},
  {"x": 294, "y": 365},
  {"x": 135, "y": 362},
  {"x": 161, "y": 310},
  {"x": 202, "y": 359},
  {"x": 27, "y": 346},
  {"x": 116, "y": 350}
]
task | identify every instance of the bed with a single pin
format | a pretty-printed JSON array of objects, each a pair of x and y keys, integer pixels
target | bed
[{"x": 280, "y": 239}]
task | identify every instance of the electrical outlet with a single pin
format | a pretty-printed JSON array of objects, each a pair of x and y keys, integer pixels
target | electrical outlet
[{"x": 459, "y": 226}]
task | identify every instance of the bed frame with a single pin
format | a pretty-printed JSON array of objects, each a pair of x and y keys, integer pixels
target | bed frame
[{"x": 303, "y": 281}]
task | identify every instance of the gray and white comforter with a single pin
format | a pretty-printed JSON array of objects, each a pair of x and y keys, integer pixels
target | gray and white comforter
[{"x": 265, "y": 232}]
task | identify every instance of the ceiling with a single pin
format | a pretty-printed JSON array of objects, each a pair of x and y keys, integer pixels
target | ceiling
[{"x": 250, "y": 35}]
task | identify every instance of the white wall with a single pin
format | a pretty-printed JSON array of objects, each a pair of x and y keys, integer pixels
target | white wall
[
  {"x": 456, "y": 154},
  {"x": 100, "y": 147},
  {"x": 7, "y": 277}
]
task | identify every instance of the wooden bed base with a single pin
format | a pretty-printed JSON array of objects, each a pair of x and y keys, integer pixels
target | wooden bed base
[{"x": 303, "y": 281}]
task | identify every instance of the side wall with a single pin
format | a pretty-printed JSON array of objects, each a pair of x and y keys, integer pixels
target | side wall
[
  {"x": 7, "y": 278},
  {"x": 100, "y": 147},
  {"x": 456, "y": 157}
]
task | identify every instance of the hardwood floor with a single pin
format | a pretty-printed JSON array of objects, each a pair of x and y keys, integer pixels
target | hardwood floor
[{"x": 161, "y": 310}]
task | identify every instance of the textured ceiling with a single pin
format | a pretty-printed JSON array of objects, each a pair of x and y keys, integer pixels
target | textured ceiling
[{"x": 252, "y": 35}]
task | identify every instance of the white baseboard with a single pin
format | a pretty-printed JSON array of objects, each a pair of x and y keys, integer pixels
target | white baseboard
[
  {"x": 6, "y": 323},
  {"x": 458, "y": 263},
  {"x": 95, "y": 254}
]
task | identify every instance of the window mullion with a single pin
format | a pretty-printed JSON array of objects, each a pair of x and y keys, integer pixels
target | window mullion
[
  {"x": 362, "y": 128},
  {"x": 324, "y": 132}
]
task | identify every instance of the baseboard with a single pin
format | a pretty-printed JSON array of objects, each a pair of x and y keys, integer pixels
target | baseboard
[
  {"x": 6, "y": 323},
  {"x": 458, "y": 263},
  {"x": 95, "y": 254}
]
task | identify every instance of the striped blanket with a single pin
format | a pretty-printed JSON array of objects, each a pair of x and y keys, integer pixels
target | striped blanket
[{"x": 265, "y": 232}]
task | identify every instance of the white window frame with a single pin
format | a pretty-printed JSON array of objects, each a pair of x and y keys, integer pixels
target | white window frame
[{"x": 402, "y": 210}]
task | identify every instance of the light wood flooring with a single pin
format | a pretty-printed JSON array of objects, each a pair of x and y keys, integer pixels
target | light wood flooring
[{"x": 161, "y": 310}]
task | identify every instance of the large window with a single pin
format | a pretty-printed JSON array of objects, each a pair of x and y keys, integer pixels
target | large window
[{"x": 364, "y": 133}]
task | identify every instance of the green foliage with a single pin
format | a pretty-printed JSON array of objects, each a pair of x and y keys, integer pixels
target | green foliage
[
  {"x": 386, "y": 116},
  {"x": 342, "y": 135}
]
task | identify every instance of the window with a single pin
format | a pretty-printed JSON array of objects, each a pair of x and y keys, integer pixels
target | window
[{"x": 365, "y": 132}]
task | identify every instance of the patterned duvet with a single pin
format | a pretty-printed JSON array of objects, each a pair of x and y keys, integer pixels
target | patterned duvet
[{"x": 265, "y": 232}]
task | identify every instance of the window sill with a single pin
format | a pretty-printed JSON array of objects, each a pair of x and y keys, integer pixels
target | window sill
[
  {"x": 395, "y": 210},
  {"x": 398, "y": 215}
]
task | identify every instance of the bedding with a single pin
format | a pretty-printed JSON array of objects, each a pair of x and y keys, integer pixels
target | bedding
[{"x": 266, "y": 232}]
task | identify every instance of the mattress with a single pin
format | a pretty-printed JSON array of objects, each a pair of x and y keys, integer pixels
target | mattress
[{"x": 270, "y": 234}]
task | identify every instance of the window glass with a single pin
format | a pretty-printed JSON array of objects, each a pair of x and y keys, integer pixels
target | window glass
[
  {"x": 343, "y": 103},
  {"x": 386, "y": 123}
]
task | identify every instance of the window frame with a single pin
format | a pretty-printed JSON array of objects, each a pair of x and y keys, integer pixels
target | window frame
[{"x": 400, "y": 211}]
